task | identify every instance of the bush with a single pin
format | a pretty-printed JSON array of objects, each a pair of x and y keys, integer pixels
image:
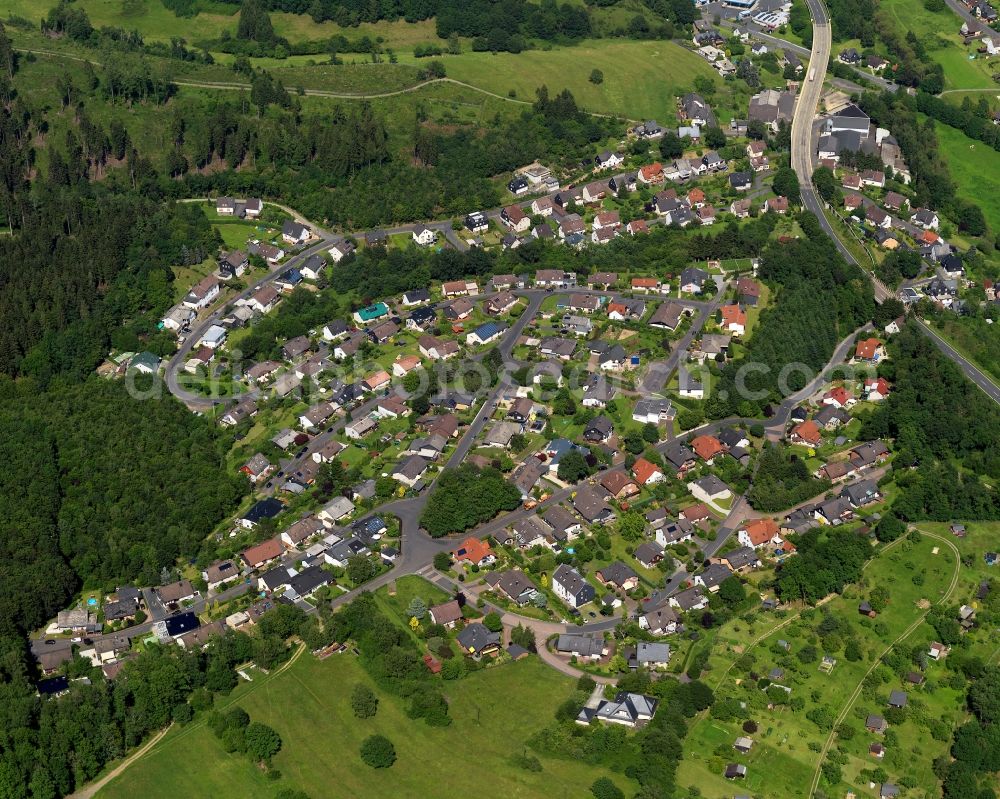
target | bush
[
  {"x": 604, "y": 788},
  {"x": 364, "y": 703},
  {"x": 377, "y": 751},
  {"x": 527, "y": 762},
  {"x": 442, "y": 561}
]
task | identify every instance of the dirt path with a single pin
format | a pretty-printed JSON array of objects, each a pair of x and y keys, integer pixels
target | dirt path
[
  {"x": 245, "y": 87},
  {"x": 91, "y": 790},
  {"x": 901, "y": 637}
]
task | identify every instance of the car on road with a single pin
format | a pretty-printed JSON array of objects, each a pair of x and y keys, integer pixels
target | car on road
[{"x": 49, "y": 642}]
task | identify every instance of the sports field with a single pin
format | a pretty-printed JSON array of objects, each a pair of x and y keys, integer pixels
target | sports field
[{"x": 494, "y": 712}]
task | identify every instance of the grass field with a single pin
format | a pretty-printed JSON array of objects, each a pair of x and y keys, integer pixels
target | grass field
[
  {"x": 784, "y": 757},
  {"x": 641, "y": 79},
  {"x": 494, "y": 712},
  {"x": 938, "y": 32},
  {"x": 975, "y": 169},
  {"x": 156, "y": 23}
]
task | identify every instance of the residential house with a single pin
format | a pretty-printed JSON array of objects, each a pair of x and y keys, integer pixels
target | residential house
[
  {"x": 409, "y": 471},
  {"x": 740, "y": 559},
  {"x": 262, "y": 509},
  {"x": 870, "y": 350},
  {"x": 692, "y": 280},
  {"x": 662, "y": 621},
  {"x": 741, "y": 181},
  {"x": 446, "y": 614},
  {"x": 257, "y": 468},
  {"x": 626, "y": 709},
  {"x": 581, "y": 646},
  {"x": 474, "y": 552},
  {"x": 618, "y": 576},
  {"x": 707, "y": 447},
  {"x": 689, "y": 600},
  {"x": 597, "y": 392},
  {"x": 759, "y": 533},
  {"x": 650, "y": 655},
  {"x": 617, "y": 483},
  {"x": 653, "y": 411},
  {"x": 293, "y": 232},
  {"x": 806, "y": 434},
  {"x": 359, "y": 428},
  {"x": 667, "y": 316},
  {"x": 423, "y": 236},
  {"x": 733, "y": 319},
  {"x": 485, "y": 334},
  {"x": 599, "y": 429},
  {"x": 475, "y": 639},
  {"x": 513, "y": 584},
  {"x": 202, "y": 294},
  {"x": 514, "y": 218},
  {"x": 591, "y": 504},
  {"x": 570, "y": 587},
  {"x": 839, "y": 397},
  {"x": 646, "y": 472},
  {"x": 565, "y": 526},
  {"x": 459, "y": 288},
  {"x": 710, "y": 489}
]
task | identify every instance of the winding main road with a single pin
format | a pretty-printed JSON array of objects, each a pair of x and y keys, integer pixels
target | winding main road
[{"x": 803, "y": 129}]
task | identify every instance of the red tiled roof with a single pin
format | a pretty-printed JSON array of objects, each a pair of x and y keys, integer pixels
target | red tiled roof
[
  {"x": 733, "y": 315},
  {"x": 807, "y": 431},
  {"x": 707, "y": 447},
  {"x": 472, "y": 550},
  {"x": 866, "y": 349},
  {"x": 643, "y": 470},
  {"x": 840, "y": 395},
  {"x": 263, "y": 552},
  {"x": 761, "y": 531}
]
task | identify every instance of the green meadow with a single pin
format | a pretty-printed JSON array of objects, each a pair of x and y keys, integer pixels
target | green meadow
[
  {"x": 785, "y": 755},
  {"x": 493, "y": 711}
]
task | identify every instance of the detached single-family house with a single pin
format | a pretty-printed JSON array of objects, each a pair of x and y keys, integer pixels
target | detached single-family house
[
  {"x": 759, "y": 533},
  {"x": 293, "y": 232}
]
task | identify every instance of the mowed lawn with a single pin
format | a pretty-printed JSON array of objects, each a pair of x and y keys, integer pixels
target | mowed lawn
[
  {"x": 975, "y": 170},
  {"x": 781, "y": 764},
  {"x": 494, "y": 712},
  {"x": 641, "y": 79},
  {"x": 157, "y": 23}
]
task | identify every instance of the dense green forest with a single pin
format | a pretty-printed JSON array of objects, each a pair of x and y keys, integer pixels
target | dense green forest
[
  {"x": 945, "y": 434},
  {"x": 100, "y": 488},
  {"x": 493, "y": 26},
  {"x": 828, "y": 559},
  {"x": 49, "y": 748},
  {"x": 799, "y": 328},
  {"x": 466, "y": 496},
  {"x": 782, "y": 480}
]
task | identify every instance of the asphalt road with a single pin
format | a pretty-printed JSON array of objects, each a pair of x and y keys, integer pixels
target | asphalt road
[{"x": 802, "y": 152}]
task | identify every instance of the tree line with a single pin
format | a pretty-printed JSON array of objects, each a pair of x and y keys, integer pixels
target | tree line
[
  {"x": 945, "y": 434},
  {"x": 917, "y": 139},
  {"x": 819, "y": 299}
]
